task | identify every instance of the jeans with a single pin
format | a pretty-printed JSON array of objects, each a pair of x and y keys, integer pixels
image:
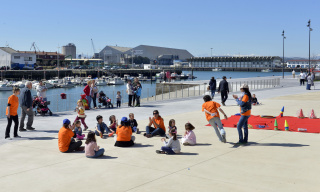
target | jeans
[
  {"x": 134, "y": 129},
  {"x": 134, "y": 97},
  {"x": 130, "y": 100},
  {"x": 243, "y": 122},
  {"x": 224, "y": 96},
  {"x": 74, "y": 146},
  {"x": 89, "y": 101},
  {"x": 308, "y": 86},
  {"x": 15, "y": 119},
  {"x": 118, "y": 103},
  {"x": 94, "y": 99},
  {"x": 213, "y": 92},
  {"x": 30, "y": 114},
  {"x": 168, "y": 150},
  {"x": 138, "y": 100},
  {"x": 155, "y": 131},
  {"x": 214, "y": 122},
  {"x": 97, "y": 153}
]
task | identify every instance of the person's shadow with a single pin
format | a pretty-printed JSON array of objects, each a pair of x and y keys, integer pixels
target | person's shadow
[
  {"x": 139, "y": 145},
  {"x": 187, "y": 153},
  {"x": 105, "y": 157},
  {"x": 235, "y": 145}
]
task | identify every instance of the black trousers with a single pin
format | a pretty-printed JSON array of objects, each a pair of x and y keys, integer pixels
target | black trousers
[
  {"x": 15, "y": 119},
  {"x": 130, "y": 100},
  {"x": 224, "y": 96},
  {"x": 94, "y": 99},
  {"x": 138, "y": 99},
  {"x": 74, "y": 145},
  {"x": 301, "y": 81},
  {"x": 118, "y": 103}
]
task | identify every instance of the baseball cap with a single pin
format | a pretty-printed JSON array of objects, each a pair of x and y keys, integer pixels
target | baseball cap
[
  {"x": 124, "y": 119},
  {"x": 244, "y": 86},
  {"x": 66, "y": 121}
]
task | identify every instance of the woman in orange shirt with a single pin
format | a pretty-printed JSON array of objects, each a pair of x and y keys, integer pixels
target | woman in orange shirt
[
  {"x": 245, "y": 111},
  {"x": 124, "y": 136},
  {"x": 12, "y": 114}
]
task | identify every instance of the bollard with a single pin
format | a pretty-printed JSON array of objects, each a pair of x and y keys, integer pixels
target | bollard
[{"x": 188, "y": 91}]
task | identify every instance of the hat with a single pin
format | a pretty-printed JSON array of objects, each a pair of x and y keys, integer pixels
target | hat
[
  {"x": 124, "y": 119},
  {"x": 66, "y": 121},
  {"x": 224, "y": 77},
  {"x": 244, "y": 86}
]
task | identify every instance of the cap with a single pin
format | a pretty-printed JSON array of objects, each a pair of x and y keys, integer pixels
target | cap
[
  {"x": 244, "y": 86},
  {"x": 124, "y": 119},
  {"x": 66, "y": 121}
]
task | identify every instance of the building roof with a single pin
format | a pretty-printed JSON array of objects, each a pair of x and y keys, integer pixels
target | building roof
[
  {"x": 121, "y": 49},
  {"x": 8, "y": 50},
  {"x": 40, "y": 52},
  {"x": 304, "y": 60}
]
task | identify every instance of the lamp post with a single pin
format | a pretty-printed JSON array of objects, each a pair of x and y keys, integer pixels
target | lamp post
[
  {"x": 310, "y": 29},
  {"x": 283, "y": 37}
]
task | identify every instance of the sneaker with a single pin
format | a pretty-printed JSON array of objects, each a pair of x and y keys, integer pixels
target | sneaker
[
  {"x": 17, "y": 136},
  {"x": 224, "y": 140},
  {"x": 101, "y": 135},
  {"x": 8, "y": 138},
  {"x": 30, "y": 129},
  {"x": 137, "y": 132},
  {"x": 148, "y": 135},
  {"x": 86, "y": 128},
  {"x": 22, "y": 129},
  {"x": 186, "y": 144},
  {"x": 111, "y": 134},
  {"x": 160, "y": 152}
]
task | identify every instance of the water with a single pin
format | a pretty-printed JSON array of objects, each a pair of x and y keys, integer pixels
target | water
[{"x": 148, "y": 89}]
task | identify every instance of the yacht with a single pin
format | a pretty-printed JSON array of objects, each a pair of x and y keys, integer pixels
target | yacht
[
  {"x": 174, "y": 75},
  {"x": 67, "y": 84},
  {"x": 101, "y": 82},
  {"x": 183, "y": 76},
  {"x": 266, "y": 70},
  {"x": 116, "y": 81}
]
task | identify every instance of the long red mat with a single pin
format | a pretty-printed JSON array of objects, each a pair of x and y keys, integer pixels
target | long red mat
[{"x": 257, "y": 122}]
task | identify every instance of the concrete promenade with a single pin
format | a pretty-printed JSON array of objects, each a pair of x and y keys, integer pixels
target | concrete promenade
[{"x": 273, "y": 161}]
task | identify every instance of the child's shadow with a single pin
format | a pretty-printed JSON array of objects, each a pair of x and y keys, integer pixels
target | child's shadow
[
  {"x": 105, "y": 157},
  {"x": 139, "y": 145},
  {"x": 186, "y": 153}
]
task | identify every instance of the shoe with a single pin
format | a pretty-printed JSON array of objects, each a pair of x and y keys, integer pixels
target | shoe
[
  {"x": 8, "y": 138},
  {"x": 22, "y": 129},
  {"x": 137, "y": 132},
  {"x": 148, "y": 135},
  {"x": 80, "y": 149},
  {"x": 111, "y": 134},
  {"x": 86, "y": 128},
  {"x": 30, "y": 129},
  {"x": 145, "y": 134},
  {"x": 160, "y": 152},
  {"x": 186, "y": 144},
  {"x": 224, "y": 140},
  {"x": 17, "y": 136},
  {"x": 101, "y": 135}
]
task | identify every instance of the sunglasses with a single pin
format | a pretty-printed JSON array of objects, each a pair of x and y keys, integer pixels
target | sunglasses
[{"x": 155, "y": 113}]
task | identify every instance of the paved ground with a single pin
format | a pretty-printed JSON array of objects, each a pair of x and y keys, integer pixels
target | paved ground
[{"x": 273, "y": 161}]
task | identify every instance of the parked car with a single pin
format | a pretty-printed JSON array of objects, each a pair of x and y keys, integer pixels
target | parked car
[
  {"x": 4, "y": 68},
  {"x": 39, "y": 68}
]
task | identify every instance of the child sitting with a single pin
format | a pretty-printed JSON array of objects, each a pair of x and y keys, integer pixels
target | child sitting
[
  {"x": 91, "y": 148},
  {"x": 172, "y": 125},
  {"x": 124, "y": 136},
  {"x": 189, "y": 136},
  {"x": 254, "y": 100},
  {"x": 133, "y": 123},
  {"x": 102, "y": 127},
  {"x": 78, "y": 131},
  {"x": 81, "y": 115},
  {"x": 172, "y": 146},
  {"x": 113, "y": 123}
]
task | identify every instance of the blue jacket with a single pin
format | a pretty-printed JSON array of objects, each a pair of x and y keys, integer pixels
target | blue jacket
[
  {"x": 25, "y": 98},
  {"x": 245, "y": 106},
  {"x": 138, "y": 91}
]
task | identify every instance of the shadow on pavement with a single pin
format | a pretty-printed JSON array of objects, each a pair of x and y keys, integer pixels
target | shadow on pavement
[
  {"x": 150, "y": 106},
  {"x": 105, "y": 157},
  {"x": 49, "y": 131},
  {"x": 186, "y": 153},
  {"x": 202, "y": 144},
  {"x": 138, "y": 145},
  {"x": 39, "y": 138},
  {"x": 276, "y": 144}
]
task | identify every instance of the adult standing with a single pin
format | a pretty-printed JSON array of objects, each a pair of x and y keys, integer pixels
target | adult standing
[
  {"x": 25, "y": 102},
  {"x": 293, "y": 73},
  {"x": 309, "y": 81},
  {"x": 213, "y": 86},
  {"x": 87, "y": 91},
  {"x": 42, "y": 91},
  {"x": 245, "y": 111},
  {"x": 130, "y": 93},
  {"x": 94, "y": 92},
  {"x": 135, "y": 87},
  {"x": 302, "y": 78},
  {"x": 224, "y": 89},
  {"x": 12, "y": 114}
]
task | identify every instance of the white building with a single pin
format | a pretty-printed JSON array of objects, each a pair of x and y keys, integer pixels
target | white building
[
  {"x": 303, "y": 63},
  {"x": 14, "y": 59}
]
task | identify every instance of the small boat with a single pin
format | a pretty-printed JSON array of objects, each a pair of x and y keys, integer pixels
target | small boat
[
  {"x": 115, "y": 81},
  {"x": 216, "y": 69},
  {"x": 190, "y": 76},
  {"x": 127, "y": 77},
  {"x": 266, "y": 70},
  {"x": 101, "y": 82},
  {"x": 20, "y": 84},
  {"x": 67, "y": 84},
  {"x": 174, "y": 75},
  {"x": 160, "y": 75},
  {"x": 5, "y": 87},
  {"x": 183, "y": 76}
]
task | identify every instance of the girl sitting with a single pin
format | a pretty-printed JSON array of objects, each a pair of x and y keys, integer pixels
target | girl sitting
[
  {"x": 81, "y": 115},
  {"x": 113, "y": 123},
  {"x": 124, "y": 136},
  {"x": 172, "y": 146},
  {"x": 172, "y": 125},
  {"x": 78, "y": 131},
  {"x": 91, "y": 148},
  {"x": 189, "y": 136}
]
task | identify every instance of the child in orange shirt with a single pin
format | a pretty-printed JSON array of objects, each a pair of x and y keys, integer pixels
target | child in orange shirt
[
  {"x": 12, "y": 114},
  {"x": 124, "y": 136},
  {"x": 212, "y": 114}
]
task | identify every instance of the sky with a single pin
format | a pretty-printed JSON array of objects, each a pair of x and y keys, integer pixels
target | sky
[{"x": 232, "y": 27}]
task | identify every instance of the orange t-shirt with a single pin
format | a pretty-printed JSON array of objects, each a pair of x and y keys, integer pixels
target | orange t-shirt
[
  {"x": 14, "y": 104},
  {"x": 124, "y": 133},
  {"x": 64, "y": 138},
  {"x": 160, "y": 122},
  {"x": 245, "y": 99},
  {"x": 212, "y": 107}
]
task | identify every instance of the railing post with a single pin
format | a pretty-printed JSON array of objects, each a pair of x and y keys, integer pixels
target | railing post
[
  {"x": 162, "y": 93},
  {"x": 251, "y": 84},
  {"x": 176, "y": 91},
  {"x": 199, "y": 89},
  {"x": 169, "y": 91},
  {"x": 231, "y": 86},
  {"x": 148, "y": 95},
  {"x": 113, "y": 98},
  {"x": 194, "y": 90}
]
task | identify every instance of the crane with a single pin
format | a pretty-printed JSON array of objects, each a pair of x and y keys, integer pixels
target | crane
[
  {"x": 94, "y": 50},
  {"x": 35, "y": 47}
]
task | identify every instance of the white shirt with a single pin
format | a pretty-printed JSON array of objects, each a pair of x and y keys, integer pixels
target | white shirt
[
  {"x": 40, "y": 92},
  {"x": 173, "y": 144},
  {"x": 302, "y": 75}
]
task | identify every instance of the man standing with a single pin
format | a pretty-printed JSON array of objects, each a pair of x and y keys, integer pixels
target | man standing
[
  {"x": 224, "y": 89},
  {"x": 302, "y": 77},
  {"x": 25, "y": 101},
  {"x": 42, "y": 91}
]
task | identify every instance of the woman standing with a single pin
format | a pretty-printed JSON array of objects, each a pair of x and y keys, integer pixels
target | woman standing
[
  {"x": 309, "y": 81},
  {"x": 94, "y": 92},
  {"x": 213, "y": 86},
  {"x": 87, "y": 90},
  {"x": 245, "y": 111},
  {"x": 12, "y": 114},
  {"x": 130, "y": 92}
]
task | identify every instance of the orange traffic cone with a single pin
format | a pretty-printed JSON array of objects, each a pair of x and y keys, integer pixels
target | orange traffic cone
[
  {"x": 312, "y": 115},
  {"x": 300, "y": 114}
]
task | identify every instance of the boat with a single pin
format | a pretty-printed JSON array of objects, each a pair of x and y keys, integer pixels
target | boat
[
  {"x": 190, "y": 76},
  {"x": 127, "y": 77},
  {"x": 20, "y": 84},
  {"x": 183, "y": 76},
  {"x": 67, "y": 84},
  {"x": 173, "y": 75},
  {"x": 115, "y": 81},
  {"x": 216, "y": 69},
  {"x": 266, "y": 70},
  {"x": 5, "y": 87},
  {"x": 101, "y": 82},
  {"x": 160, "y": 75}
]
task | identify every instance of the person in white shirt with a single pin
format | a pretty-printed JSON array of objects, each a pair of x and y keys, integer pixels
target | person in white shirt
[
  {"x": 302, "y": 78},
  {"x": 293, "y": 74},
  {"x": 42, "y": 91},
  {"x": 172, "y": 146}
]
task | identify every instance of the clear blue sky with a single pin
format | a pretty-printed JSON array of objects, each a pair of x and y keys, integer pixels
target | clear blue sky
[{"x": 231, "y": 27}]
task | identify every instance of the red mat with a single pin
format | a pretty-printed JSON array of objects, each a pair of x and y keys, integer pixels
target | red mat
[{"x": 257, "y": 122}]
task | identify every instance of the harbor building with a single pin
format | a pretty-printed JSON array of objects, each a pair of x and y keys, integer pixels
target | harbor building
[
  {"x": 303, "y": 63},
  {"x": 44, "y": 58},
  {"x": 69, "y": 50},
  {"x": 16, "y": 59},
  {"x": 236, "y": 62},
  {"x": 113, "y": 54}
]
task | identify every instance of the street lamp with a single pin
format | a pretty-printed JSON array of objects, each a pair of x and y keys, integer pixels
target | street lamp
[
  {"x": 310, "y": 29},
  {"x": 283, "y": 55}
]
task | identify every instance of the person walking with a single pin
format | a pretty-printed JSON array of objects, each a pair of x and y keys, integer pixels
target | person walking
[
  {"x": 245, "y": 111},
  {"x": 130, "y": 93},
  {"x": 12, "y": 114},
  {"x": 26, "y": 101},
  {"x": 94, "y": 92},
  {"x": 213, "y": 86},
  {"x": 87, "y": 91},
  {"x": 42, "y": 91},
  {"x": 302, "y": 78},
  {"x": 224, "y": 89}
]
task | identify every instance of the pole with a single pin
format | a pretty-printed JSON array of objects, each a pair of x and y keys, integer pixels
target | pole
[
  {"x": 58, "y": 62},
  {"x": 283, "y": 37},
  {"x": 310, "y": 29}
]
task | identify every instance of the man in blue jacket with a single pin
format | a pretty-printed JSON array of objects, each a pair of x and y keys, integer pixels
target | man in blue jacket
[{"x": 25, "y": 101}]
